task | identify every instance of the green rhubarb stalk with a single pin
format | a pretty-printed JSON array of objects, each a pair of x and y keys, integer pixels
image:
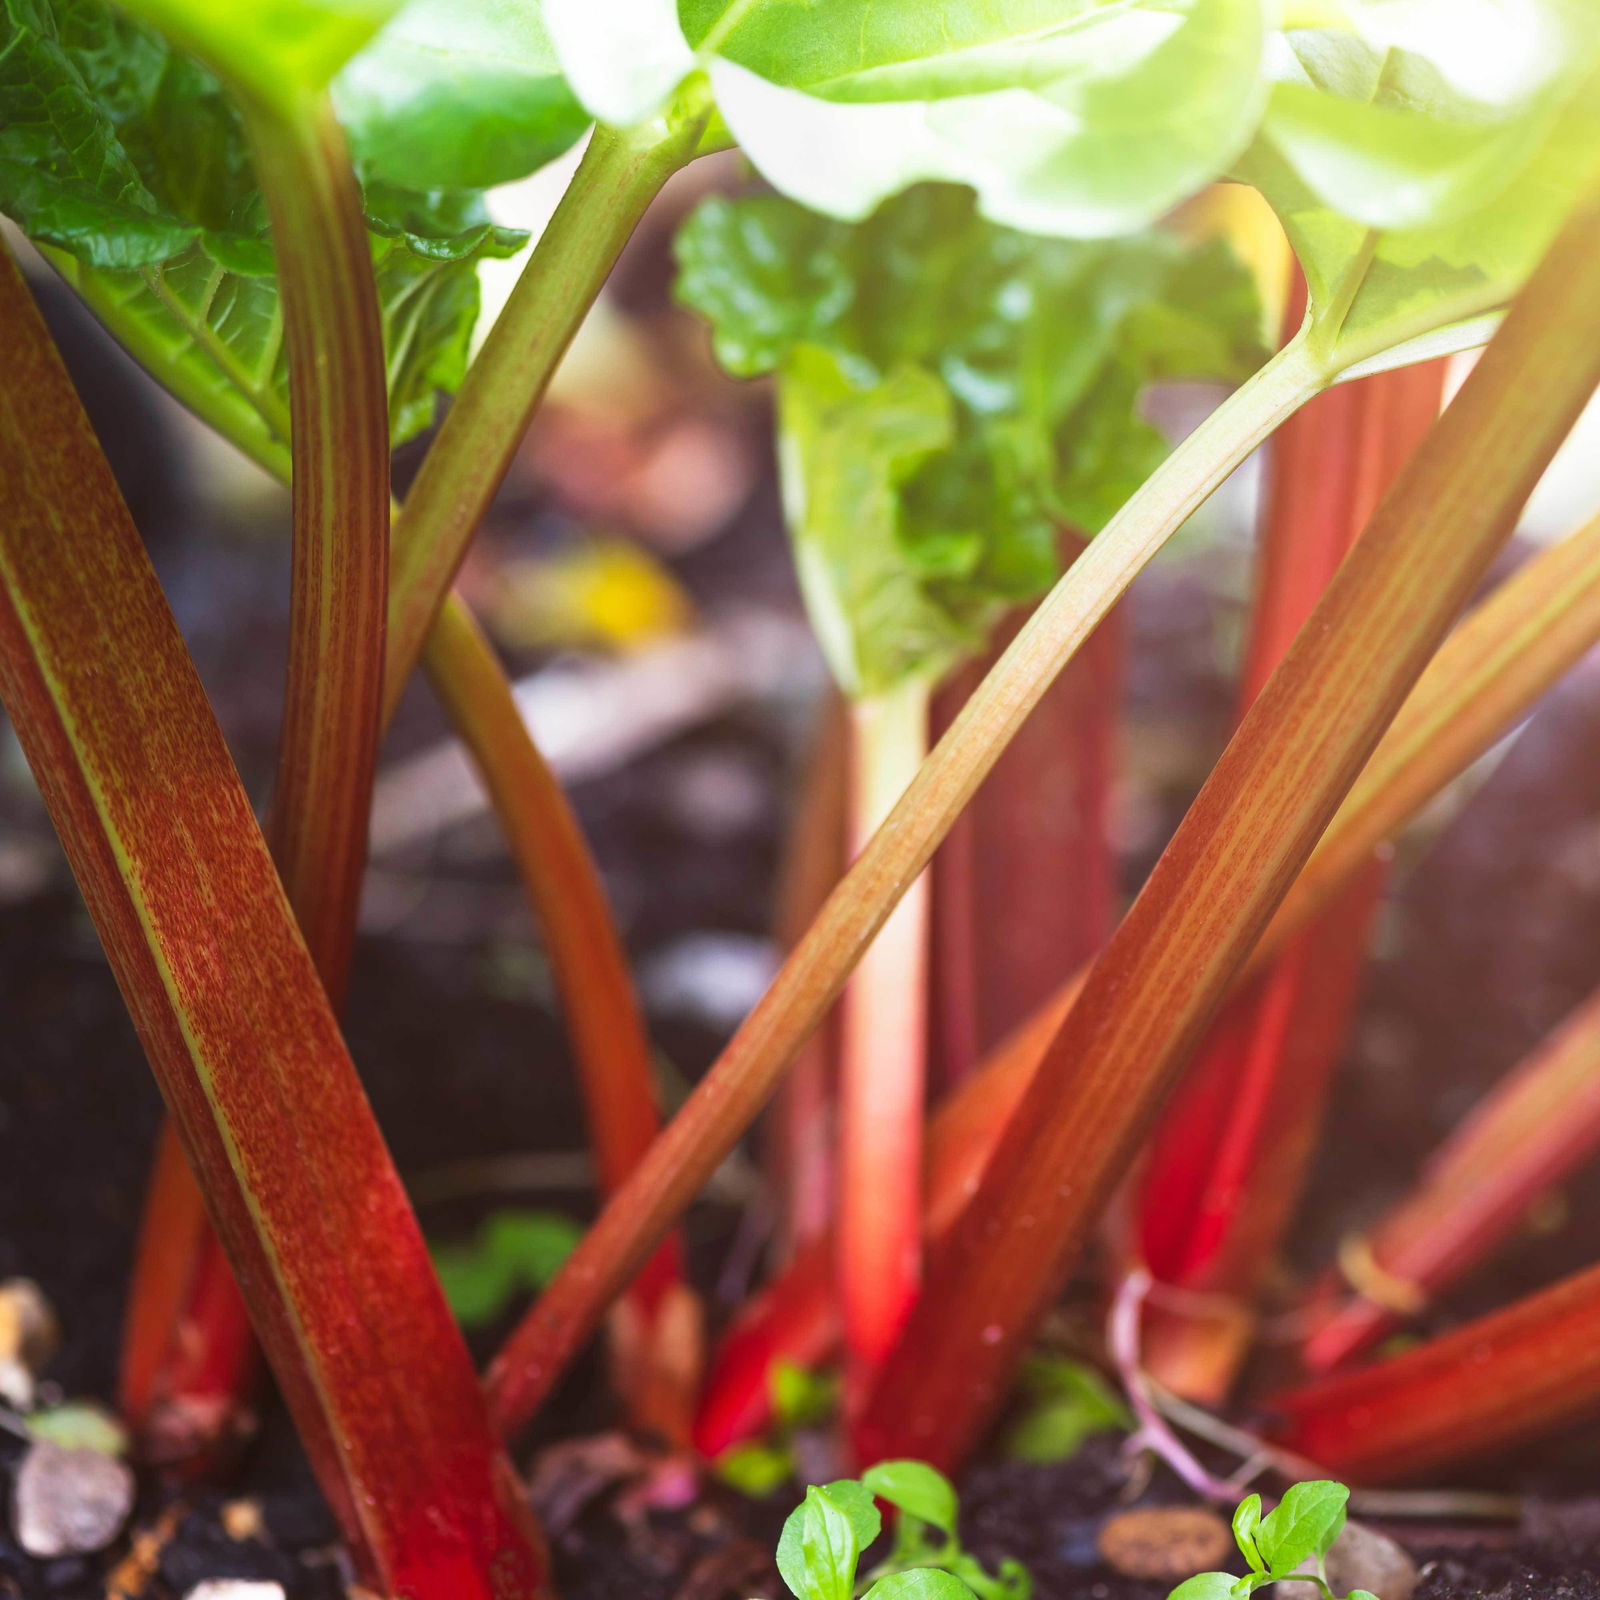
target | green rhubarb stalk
[{"x": 621, "y": 173}]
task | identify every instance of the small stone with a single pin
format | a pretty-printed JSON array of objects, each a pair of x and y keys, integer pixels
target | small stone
[
  {"x": 1362, "y": 1558},
  {"x": 236, "y": 1589},
  {"x": 69, "y": 1502},
  {"x": 242, "y": 1519},
  {"x": 1165, "y": 1544},
  {"x": 29, "y": 1334}
]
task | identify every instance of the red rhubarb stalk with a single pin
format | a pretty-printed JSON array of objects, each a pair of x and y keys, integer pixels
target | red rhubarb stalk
[
  {"x": 1167, "y": 968},
  {"x": 1477, "y": 1389},
  {"x": 1523, "y": 1140},
  {"x": 327, "y": 755},
  {"x": 1032, "y": 854},
  {"x": 882, "y": 1059},
  {"x": 1227, "y": 1160},
  {"x": 111, "y": 715},
  {"x": 799, "y": 1137}
]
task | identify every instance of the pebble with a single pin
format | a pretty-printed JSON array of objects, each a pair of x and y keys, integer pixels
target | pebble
[
  {"x": 29, "y": 1334},
  {"x": 1166, "y": 1543},
  {"x": 69, "y": 1502},
  {"x": 1362, "y": 1558},
  {"x": 236, "y": 1589}
]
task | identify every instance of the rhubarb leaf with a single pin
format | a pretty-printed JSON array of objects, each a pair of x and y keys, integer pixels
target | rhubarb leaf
[
  {"x": 1041, "y": 349},
  {"x": 277, "y": 50},
  {"x": 458, "y": 94},
  {"x": 1419, "y": 181},
  {"x": 1076, "y": 117},
  {"x": 130, "y": 161}
]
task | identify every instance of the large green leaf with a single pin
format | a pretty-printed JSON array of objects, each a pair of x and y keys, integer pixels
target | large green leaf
[
  {"x": 1076, "y": 117},
  {"x": 1036, "y": 351},
  {"x": 458, "y": 94},
  {"x": 131, "y": 162},
  {"x": 1422, "y": 158},
  {"x": 278, "y": 50}
]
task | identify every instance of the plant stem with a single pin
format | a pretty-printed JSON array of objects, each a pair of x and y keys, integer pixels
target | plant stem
[
  {"x": 591, "y": 968},
  {"x": 1477, "y": 1389},
  {"x": 621, "y": 173},
  {"x": 1162, "y": 976},
  {"x": 882, "y": 1059},
  {"x": 339, "y": 407},
  {"x": 727, "y": 1099},
  {"x": 799, "y": 1135},
  {"x": 115, "y": 724}
]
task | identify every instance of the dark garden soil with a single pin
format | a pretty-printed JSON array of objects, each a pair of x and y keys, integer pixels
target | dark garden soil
[{"x": 1492, "y": 936}]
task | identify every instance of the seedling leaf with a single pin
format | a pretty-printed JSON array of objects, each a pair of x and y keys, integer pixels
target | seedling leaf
[
  {"x": 855, "y": 1500},
  {"x": 921, "y": 1583},
  {"x": 819, "y": 1548},
  {"x": 1070, "y": 1402},
  {"x": 1246, "y": 1520},
  {"x": 1206, "y": 1586},
  {"x": 1305, "y": 1523},
  {"x": 916, "y": 1488}
]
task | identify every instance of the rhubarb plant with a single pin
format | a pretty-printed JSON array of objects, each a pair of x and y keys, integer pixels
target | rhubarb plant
[{"x": 277, "y": 206}]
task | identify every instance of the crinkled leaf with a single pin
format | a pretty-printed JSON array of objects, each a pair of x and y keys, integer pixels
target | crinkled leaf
[
  {"x": 921, "y": 1583},
  {"x": 1418, "y": 194},
  {"x": 279, "y": 50},
  {"x": 846, "y": 448},
  {"x": 916, "y": 1488},
  {"x": 135, "y": 127},
  {"x": 818, "y": 1549},
  {"x": 1042, "y": 347},
  {"x": 1075, "y": 117},
  {"x": 1304, "y": 1524},
  {"x": 458, "y": 94}
]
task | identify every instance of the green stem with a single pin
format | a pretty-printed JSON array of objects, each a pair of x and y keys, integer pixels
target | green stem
[
  {"x": 621, "y": 173},
  {"x": 731, "y": 1094},
  {"x": 338, "y": 400}
]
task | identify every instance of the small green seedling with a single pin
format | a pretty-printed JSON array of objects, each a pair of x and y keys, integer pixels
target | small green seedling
[
  {"x": 825, "y": 1535},
  {"x": 1302, "y": 1528},
  {"x": 1067, "y": 1402},
  {"x": 514, "y": 1253}
]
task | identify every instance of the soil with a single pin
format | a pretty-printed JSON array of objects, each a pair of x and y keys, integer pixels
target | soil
[{"x": 1491, "y": 936}]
